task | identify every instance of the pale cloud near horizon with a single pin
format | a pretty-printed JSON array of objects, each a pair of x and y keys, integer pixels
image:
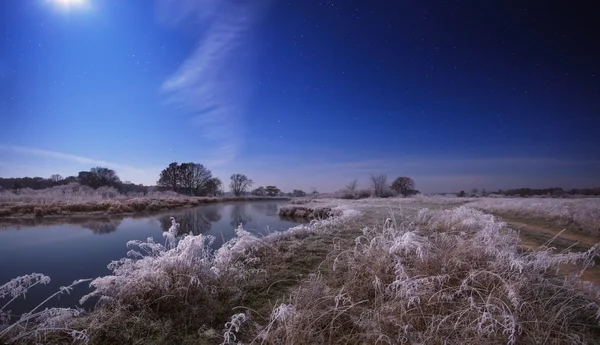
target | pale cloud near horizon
[
  {"x": 125, "y": 172},
  {"x": 213, "y": 84},
  {"x": 432, "y": 174}
]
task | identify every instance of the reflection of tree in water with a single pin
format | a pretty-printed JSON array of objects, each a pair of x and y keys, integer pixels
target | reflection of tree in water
[
  {"x": 269, "y": 209},
  {"x": 102, "y": 226},
  {"x": 196, "y": 222},
  {"x": 239, "y": 215}
]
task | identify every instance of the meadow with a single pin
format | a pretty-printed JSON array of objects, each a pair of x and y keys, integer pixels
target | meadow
[
  {"x": 428, "y": 270},
  {"x": 79, "y": 200}
]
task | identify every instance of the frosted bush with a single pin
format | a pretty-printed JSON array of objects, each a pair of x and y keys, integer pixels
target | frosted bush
[
  {"x": 583, "y": 213},
  {"x": 451, "y": 276},
  {"x": 38, "y": 323}
]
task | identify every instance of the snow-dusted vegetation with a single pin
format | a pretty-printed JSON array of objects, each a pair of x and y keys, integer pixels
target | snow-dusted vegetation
[
  {"x": 419, "y": 275},
  {"x": 583, "y": 214},
  {"x": 73, "y": 198}
]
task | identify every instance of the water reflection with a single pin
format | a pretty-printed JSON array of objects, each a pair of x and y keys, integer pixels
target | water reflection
[
  {"x": 239, "y": 215},
  {"x": 102, "y": 226},
  {"x": 67, "y": 249},
  {"x": 268, "y": 209},
  {"x": 197, "y": 222},
  {"x": 98, "y": 225}
]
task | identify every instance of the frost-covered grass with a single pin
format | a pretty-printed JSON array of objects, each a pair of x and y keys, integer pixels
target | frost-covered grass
[
  {"x": 582, "y": 214},
  {"x": 428, "y": 276},
  {"x": 454, "y": 276},
  {"x": 77, "y": 199}
]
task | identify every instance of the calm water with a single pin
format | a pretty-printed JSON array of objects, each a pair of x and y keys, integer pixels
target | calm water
[{"x": 82, "y": 248}]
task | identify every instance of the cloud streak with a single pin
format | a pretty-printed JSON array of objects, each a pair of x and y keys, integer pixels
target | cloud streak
[
  {"x": 126, "y": 172},
  {"x": 214, "y": 82}
]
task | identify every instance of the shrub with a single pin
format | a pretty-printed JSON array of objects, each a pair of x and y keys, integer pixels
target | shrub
[{"x": 453, "y": 276}]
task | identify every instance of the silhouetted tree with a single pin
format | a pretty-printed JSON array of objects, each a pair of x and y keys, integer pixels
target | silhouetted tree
[
  {"x": 194, "y": 178},
  {"x": 56, "y": 178},
  {"x": 298, "y": 193},
  {"x": 461, "y": 194},
  {"x": 260, "y": 191},
  {"x": 352, "y": 185},
  {"x": 170, "y": 177},
  {"x": 403, "y": 185},
  {"x": 272, "y": 191},
  {"x": 106, "y": 177},
  {"x": 239, "y": 184},
  {"x": 214, "y": 186},
  {"x": 379, "y": 184}
]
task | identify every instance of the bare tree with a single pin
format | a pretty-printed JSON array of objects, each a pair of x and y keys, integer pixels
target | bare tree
[
  {"x": 260, "y": 191},
  {"x": 404, "y": 185},
  {"x": 272, "y": 191},
  {"x": 56, "y": 178},
  {"x": 379, "y": 184},
  {"x": 170, "y": 177},
  {"x": 200, "y": 178},
  {"x": 239, "y": 184},
  {"x": 214, "y": 186},
  {"x": 352, "y": 185},
  {"x": 189, "y": 178}
]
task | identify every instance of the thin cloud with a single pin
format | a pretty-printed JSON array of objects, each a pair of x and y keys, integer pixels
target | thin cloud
[
  {"x": 119, "y": 168},
  {"x": 214, "y": 82}
]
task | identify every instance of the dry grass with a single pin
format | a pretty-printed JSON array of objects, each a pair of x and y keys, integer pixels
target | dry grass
[
  {"x": 576, "y": 214},
  {"x": 377, "y": 272},
  {"x": 455, "y": 277},
  {"x": 73, "y": 199}
]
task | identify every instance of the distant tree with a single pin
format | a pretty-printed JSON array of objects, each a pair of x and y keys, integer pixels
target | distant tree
[
  {"x": 239, "y": 184},
  {"x": 461, "y": 194},
  {"x": 187, "y": 178},
  {"x": 56, "y": 178},
  {"x": 298, "y": 193},
  {"x": 69, "y": 179},
  {"x": 260, "y": 191},
  {"x": 272, "y": 190},
  {"x": 403, "y": 185},
  {"x": 194, "y": 178},
  {"x": 16, "y": 187},
  {"x": 475, "y": 191},
  {"x": 105, "y": 177},
  {"x": 352, "y": 185},
  {"x": 86, "y": 178},
  {"x": 170, "y": 177},
  {"x": 214, "y": 186},
  {"x": 379, "y": 184},
  {"x": 484, "y": 192}
]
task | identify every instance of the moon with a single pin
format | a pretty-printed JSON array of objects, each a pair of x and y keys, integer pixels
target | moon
[{"x": 68, "y": 4}]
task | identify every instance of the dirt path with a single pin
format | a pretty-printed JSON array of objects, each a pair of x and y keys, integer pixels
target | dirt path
[{"x": 534, "y": 235}]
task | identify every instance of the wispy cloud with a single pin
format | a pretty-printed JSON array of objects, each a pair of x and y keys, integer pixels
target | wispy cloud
[
  {"x": 214, "y": 83},
  {"x": 126, "y": 172}
]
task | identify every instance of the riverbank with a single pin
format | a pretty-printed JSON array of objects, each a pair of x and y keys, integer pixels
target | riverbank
[
  {"x": 123, "y": 206},
  {"x": 378, "y": 271}
]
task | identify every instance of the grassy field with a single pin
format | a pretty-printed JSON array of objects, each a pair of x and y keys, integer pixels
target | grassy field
[
  {"x": 77, "y": 200},
  {"x": 371, "y": 271}
]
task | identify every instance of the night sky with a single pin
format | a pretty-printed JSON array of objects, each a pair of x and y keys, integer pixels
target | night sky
[{"x": 303, "y": 94}]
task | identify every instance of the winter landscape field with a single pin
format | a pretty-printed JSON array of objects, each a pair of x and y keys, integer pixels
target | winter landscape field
[
  {"x": 263, "y": 172},
  {"x": 377, "y": 271}
]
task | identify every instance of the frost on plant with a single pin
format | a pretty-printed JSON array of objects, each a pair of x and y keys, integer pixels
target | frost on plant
[{"x": 451, "y": 276}]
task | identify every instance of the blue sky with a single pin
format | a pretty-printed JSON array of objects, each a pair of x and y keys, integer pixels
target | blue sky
[{"x": 303, "y": 94}]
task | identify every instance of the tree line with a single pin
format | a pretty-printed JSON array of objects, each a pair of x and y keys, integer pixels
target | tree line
[
  {"x": 95, "y": 178},
  {"x": 529, "y": 192}
]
